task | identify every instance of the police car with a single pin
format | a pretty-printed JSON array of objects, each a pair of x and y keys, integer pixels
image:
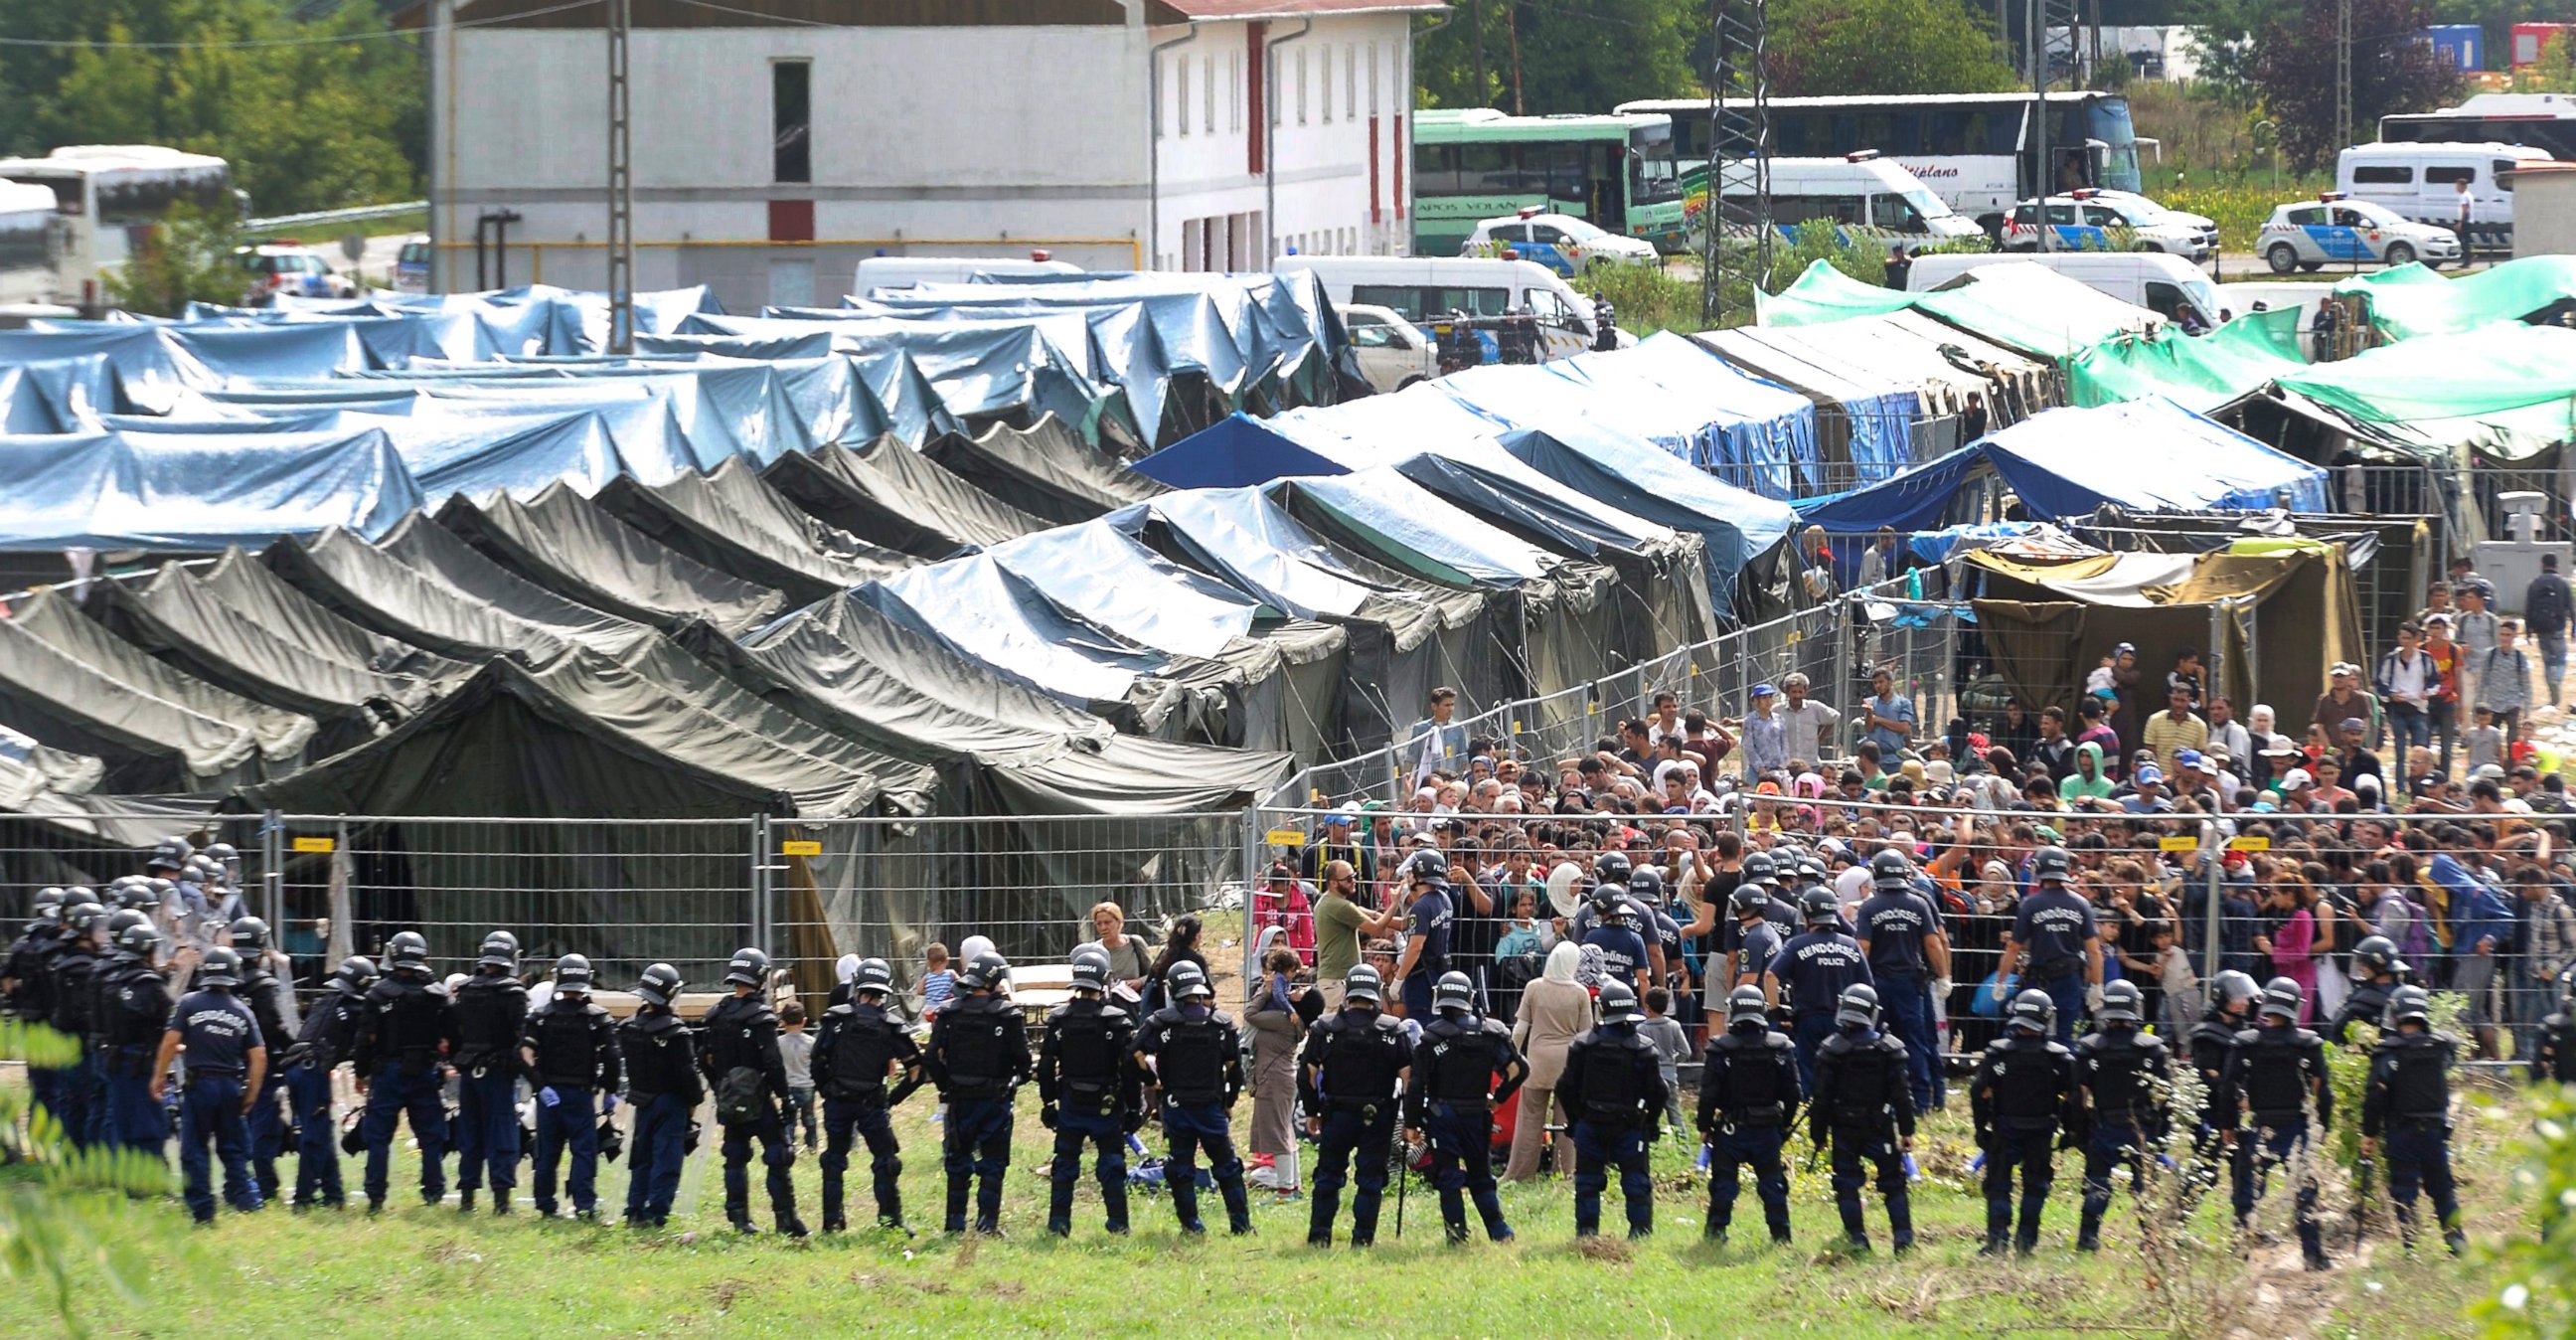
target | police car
[
  {"x": 2304, "y": 235},
  {"x": 1560, "y": 242},
  {"x": 287, "y": 266},
  {"x": 2083, "y": 220}
]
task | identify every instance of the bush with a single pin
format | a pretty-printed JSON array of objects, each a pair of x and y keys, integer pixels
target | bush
[{"x": 188, "y": 257}]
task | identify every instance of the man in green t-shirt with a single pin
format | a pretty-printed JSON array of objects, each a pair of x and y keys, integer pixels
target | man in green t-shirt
[{"x": 1340, "y": 924}]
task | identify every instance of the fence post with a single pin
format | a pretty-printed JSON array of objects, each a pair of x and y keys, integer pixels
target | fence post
[
  {"x": 1250, "y": 836},
  {"x": 761, "y": 847},
  {"x": 2211, "y": 853},
  {"x": 272, "y": 870}
]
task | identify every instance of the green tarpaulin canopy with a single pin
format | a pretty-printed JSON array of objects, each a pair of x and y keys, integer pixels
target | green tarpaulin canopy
[
  {"x": 2506, "y": 390},
  {"x": 2028, "y": 307},
  {"x": 2198, "y": 374},
  {"x": 2409, "y": 302}
]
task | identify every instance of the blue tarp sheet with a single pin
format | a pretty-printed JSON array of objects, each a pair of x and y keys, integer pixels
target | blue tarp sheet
[
  {"x": 197, "y": 492},
  {"x": 1235, "y": 452},
  {"x": 1252, "y": 542},
  {"x": 1754, "y": 434},
  {"x": 1597, "y": 461},
  {"x": 1422, "y": 532},
  {"x": 1106, "y": 578},
  {"x": 2147, "y": 454},
  {"x": 978, "y": 609}
]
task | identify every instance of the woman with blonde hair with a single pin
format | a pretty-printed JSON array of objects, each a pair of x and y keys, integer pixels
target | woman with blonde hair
[
  {"x": 1555, "y": 1010},
  {"x": 1126, "y": 956}
]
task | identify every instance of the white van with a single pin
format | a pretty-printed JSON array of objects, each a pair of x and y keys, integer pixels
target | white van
[
  {"x": 910, "y": 271},
  {"x": 1422, "y": 289},
  {"x": 2421, "y": 182},
  {"x": 1860, "y": 193},
  {"x": 2169, "y": 286}
]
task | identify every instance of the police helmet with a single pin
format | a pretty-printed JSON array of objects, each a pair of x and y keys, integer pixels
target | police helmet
[
  {"x": 1188, "y": 981},
  {"x": 1454, "y": 991},
  {"x": 873, "y": 975},
  {"x": 660, "y": 985},
  {"x": 357, "y": 973},
  {"x": 2374, "y": 955},
  {"x": 1748, "y": 900},
  {"x": 2122, "y": 1002},
  {"x": 2053, "y": 863},
  {"x": 748, "y": 967},
  {"x": 222, "y": 967},
  {"x": 202, "y": 872},
  {"x": 1362, "y": 984},
  {"x": 2280, "y": 999},
  {"x": 1090, "y": 970},
  {"x": 408, "y": 951},
  {"x": 1889, "y": 871},
  {"x": 170, "y": 853},
  {"x": 983, "y": 973},
  {"x": 1745, "y": 1005},
  {"x": 1427, "y": 866},
  {"x": 500, "y": 950},
  {"x": 76, "y": 894},
  {"x": 1858, "y": 1007},
  {"x": 1813, "y": 870},
  {"x": 1818, "y": 905},
  {"x": 160, "y": 889},
  {"x": 572, "y": 973},
  {"x": 222, "y": 854},
  {"x": 2233, "y": 987},
  {"x": 2408, "y": 1004},
  {"x": 142, "y": 941},
  {"x": 1760, "y": 868},
  {"x": 1612, "y": 867},
  {"x": 250, "y": 932},
  {"x": 1647, "y": 883},
  {"x": 121, "y": 918},
  {"x": 2034, "y": 1011},
  {"x": 1619, "y": 1003},
  {"x": 137, "y": 894},
  {"x": 48, "y": 910},
  {"x": 1604, "y": 897},
  {"x": 83, "y": 918}
]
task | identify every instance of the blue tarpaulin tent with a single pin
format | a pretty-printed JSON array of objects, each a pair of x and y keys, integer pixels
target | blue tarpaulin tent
[
  {"x": 2150, "y": 455},
  {"x": 197, "y": 491}
]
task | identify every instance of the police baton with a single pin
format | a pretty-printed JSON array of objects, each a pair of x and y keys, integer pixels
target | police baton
[{"x": 2364, "y": 1170}]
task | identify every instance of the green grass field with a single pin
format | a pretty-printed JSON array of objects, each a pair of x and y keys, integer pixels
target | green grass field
[{"x": 432, "y": 1271}]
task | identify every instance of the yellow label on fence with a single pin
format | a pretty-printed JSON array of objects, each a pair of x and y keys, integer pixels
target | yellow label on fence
[
  {"x": 1795, "y": 636},
  {"x": 2249, "y": 844},
  {"x": 1694, "y": 669},
  {"x": 1590, "y": 709},
  {"x": 316, "y": 844},
  {"x": 2177, "y": 843},
  {"x": 1285, "y": 837},
  {"x": 1516, "y": 725},
  {"x": 800, "y": 848}
]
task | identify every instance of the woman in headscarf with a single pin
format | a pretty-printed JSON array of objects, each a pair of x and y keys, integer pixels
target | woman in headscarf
[
  {"x": 1280, "y": 1011},
  {"x": 1555, "y": 1010}
]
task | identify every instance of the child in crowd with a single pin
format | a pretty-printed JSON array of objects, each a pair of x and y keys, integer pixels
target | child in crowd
[
  {"x": 1671, "y": 1042},
  {"x": 796, "y": 1048},
  {"x": 2485, "y": 741},
  {"x": 2186, "y": 676},
  {"x": 2098, "y": 683},
  {"x": 938, "y": 984}
]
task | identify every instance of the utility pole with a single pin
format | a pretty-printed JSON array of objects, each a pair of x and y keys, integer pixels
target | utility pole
[
  {"x": 1739, "y": 152},
  {"x": 1476, "y": 45},
  {"x": 621, "y": 186},
  {"x": 2054, "y": 31},
  {"x": 2343, "y": 72}
]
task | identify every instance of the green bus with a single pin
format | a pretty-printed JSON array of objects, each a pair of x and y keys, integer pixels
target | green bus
[{"x": 1614, "y": 172}]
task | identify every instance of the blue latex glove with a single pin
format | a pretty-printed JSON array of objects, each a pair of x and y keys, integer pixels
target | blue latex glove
[{"x": 548, "y": 1096}]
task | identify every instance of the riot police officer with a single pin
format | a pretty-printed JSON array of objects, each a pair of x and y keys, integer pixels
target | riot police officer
[
  {"x": 330, "y": 1033},
  {"x": 76, "y": 968},
  {"x": 2554, "y": 1060},
  {"x": 662, "y": 1087},
  {"x": 1088, "y": 1093},
  {"x": 2275, "y": 1072},
  {"x": 407, "y": 1026},
  {"x": 2022, "y": 1095},
  {"x": 1752, "y": 946},
  {"x": 1613, "y": 935},
  {"x": 1748, "y": 1096},
  {"x": 2053, "y": 942},
  {"x": 858, "y": 1046},
  {"x": 1197, "y": 1060},
  {"x": 1862, "y": 1096},
  {"x": 1451, "y": 1101},
  {"x": 743, "y": 1065},
  {"x": 132, "y": 1011},
  {"x": 491, "y": 1012},
  {"x": 1429, "y": 917},
  {"x": 2124, "y": 1075},
  {"x": 272, "y": 1003},
  {"x": 1354, "y": 1061},
  {"x": 1615, "y": 1087},
  {"x": 2406, "y": 1103},
  {"x": 213, "y": 1033},
  {"x": 979, "y": 1057},
  {"x": 27, "y": 982},
  {"x": 2212, "y": 1041},
  {"x": 1815, "y": 967},
  {"x": 2378, "y": 973},
  {"x": 569, "y": 1052},
  {"x": 1901, "y": 936},
  {"x": 1761, "y": 871}
]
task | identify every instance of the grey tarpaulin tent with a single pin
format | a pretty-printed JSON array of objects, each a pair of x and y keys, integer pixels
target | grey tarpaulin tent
[
  {"x": 889, "y": 494},
  {"x": 567, "y": 544},
  {"x": 149, "y": 744},
  {"x": 731, "y": 521},
  {"x": 1045, "y": 470}
]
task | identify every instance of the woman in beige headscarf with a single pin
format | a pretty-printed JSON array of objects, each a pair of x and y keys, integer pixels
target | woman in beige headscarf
[{"x": 1555, "y": 1010}]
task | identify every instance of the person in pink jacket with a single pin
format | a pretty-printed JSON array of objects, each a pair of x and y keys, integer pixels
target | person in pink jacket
[{"x": 2293, "y": 948}]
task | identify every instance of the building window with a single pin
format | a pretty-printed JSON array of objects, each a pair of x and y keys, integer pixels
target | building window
[
  {"x": 1302, "y": 83},
  {"x": 1181, "y": 94},
  {"x": 1324, "y": 57},
  {"x": 1372, "y": 78},
  {"x": 1351, "y": 80},
  {"x": 791, "y": 111},
  {"x": 1207, "y": 95},
  {"x": 1234, "y": 92}
]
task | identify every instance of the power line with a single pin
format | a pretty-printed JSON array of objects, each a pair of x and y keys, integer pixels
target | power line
[{"x": 259, "y": 43}]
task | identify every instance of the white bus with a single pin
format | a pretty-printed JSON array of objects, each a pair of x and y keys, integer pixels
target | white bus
[
  {"x": 108, "y": 198},
  {"x": 27, "y": 242},
  {"x": 2541, "y": 120},
  {"x": 1974, "y": 150}
]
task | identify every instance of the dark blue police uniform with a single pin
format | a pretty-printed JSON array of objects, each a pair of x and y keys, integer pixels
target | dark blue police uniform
[
  {"x": 1894, "y": 924},
  {"x": 216, "y": 1035}
]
